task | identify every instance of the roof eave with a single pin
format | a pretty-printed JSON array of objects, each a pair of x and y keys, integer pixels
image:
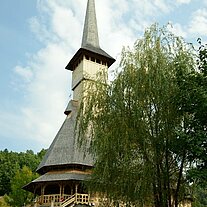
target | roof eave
[
  {"x": 110, "y": 60},
  {"x": 56, "y": 177},
  {"x": 46, "y": 168}
]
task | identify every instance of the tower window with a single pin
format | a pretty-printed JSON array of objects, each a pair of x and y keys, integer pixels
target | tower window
[
  {"x": 98, "y": 61},
  {"x": 87, "y": 57},
  {"x": 93, "y": 59}
]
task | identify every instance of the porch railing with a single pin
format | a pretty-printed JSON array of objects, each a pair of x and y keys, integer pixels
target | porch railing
[
  {"x": 82, "y": 198},
  {"x": 57, "y": 200}
]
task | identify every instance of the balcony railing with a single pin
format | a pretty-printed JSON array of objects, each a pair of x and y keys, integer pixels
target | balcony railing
[{"x": 57, "y": 200}]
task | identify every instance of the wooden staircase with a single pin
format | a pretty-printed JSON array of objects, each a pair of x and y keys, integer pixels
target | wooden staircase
[
  {"x": 68, "y": 201},
  {"x": 76, "y": 199}
]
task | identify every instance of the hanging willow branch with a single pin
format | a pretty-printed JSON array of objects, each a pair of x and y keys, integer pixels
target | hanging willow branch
[{"x": 130, "y": 125}]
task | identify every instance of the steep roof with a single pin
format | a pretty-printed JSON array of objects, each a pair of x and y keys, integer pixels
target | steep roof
[
  {"x": 64, "y": 150},
  {"x": 90, "y": 31}
]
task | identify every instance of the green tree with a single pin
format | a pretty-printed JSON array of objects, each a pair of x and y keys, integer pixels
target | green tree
[
  {"x": 41, "y": 154},
  {"x": 10, "y": 162},
  {"x": 200, "y": 197},
  {"x": 8, "y": 166},
  {"x": 28, "y": 159},
  {"x": 3, "y": 202},
  {"x": 134, "y": 124},
  {"x": 192, "y": 101},
  {"x": 19, "y": 197}
]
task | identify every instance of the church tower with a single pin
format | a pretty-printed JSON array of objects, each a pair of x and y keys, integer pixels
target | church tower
[
  {"x": 65, "y": 165},
  {"x": 90, "y": 59}
]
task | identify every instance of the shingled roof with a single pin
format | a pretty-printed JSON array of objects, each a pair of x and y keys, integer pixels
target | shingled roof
[
  {"x": 64, "y": 150},
  {"x": 55, "y": 177},
  {"x": 90, "y": 31}
]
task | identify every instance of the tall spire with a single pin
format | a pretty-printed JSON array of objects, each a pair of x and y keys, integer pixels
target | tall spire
[
  {"x": 90, "y": 32},
  {"x": 90, "y": 41}
]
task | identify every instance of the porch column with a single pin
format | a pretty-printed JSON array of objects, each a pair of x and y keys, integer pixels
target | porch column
[
  {"x": 61, "y": 189},
  {"x": 42, "y": 193}
]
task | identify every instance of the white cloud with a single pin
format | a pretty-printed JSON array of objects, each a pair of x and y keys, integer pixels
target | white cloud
[
  {"x": 177, "y": 29},
  {"x": 46, "y": 82},
  {"x": 40, "y": 30},
  {"x": 198, "y": 24},
  {"x": 25, "y": 73},
  {"x": 162, "y": 5},
  {"x": 183, "y": 1},
  {"x": 59, "y": 26},
  {"x": 46, "y": 94}
]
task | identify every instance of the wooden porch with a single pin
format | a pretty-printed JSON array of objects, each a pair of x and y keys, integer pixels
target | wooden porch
[{"x": 56, "y": 200}]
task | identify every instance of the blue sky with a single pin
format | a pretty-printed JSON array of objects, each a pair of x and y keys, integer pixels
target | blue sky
[{"x": 38, "y": 38}]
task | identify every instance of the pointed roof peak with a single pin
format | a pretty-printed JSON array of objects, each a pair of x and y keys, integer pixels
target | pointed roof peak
[{"x": 90, "y": 31}]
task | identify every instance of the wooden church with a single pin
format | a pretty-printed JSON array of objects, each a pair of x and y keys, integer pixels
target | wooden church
[{"x": 65, "y": 165}]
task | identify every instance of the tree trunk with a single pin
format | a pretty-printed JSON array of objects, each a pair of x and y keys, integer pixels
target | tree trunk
[
  {"x": 179, "y": 179},
  {"x": 156, "y": 200},
  {"x": 168, "y": 174}
]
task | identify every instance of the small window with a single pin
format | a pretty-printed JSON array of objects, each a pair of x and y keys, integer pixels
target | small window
[
  {"x": 93, "y": 59},
  {"x": 98, "y": 61},
  {"x": 87, "y": 57}
]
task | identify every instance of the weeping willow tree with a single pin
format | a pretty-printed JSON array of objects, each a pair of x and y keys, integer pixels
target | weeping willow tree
[{"x": 131, "y": 124}]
